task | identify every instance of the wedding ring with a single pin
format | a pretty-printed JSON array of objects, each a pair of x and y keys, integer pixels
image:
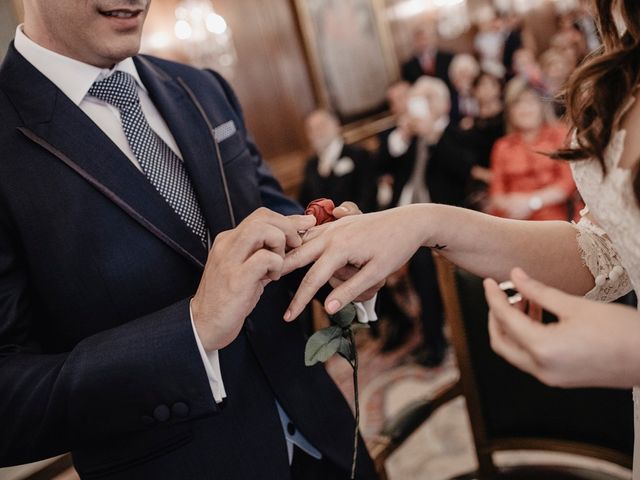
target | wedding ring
[
  {"x": 514, "y": 299},
  {"x": 504, "y": 286},
  {"x": 517, "y": 298}
]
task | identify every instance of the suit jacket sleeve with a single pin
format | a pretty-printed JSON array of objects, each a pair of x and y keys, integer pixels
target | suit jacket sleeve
[{"x": 107, "y": 386}]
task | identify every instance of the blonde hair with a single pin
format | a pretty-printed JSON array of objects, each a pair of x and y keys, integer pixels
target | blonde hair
[{"x": 512, "y": 94}]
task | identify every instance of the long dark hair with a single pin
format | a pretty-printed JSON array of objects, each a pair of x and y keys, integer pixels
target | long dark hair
[{"x": 597, "y": 91}]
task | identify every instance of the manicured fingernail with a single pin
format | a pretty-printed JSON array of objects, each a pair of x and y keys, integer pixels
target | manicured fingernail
[
  {"x": 342, "y": 209},
  {"x": 287, "y": 315},
  {"x": 333, "y": 307}
]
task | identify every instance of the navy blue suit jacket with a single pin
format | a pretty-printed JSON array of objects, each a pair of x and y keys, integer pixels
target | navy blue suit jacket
[{"x": 97, "y": 352}]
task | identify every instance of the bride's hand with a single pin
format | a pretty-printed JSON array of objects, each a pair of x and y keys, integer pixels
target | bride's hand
[
  {"x": 592, "y": 345},
  {"x": 377, "y": 244}
]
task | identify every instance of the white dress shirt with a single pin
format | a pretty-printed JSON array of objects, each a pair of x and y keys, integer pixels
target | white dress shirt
[{"x": 329, "y": 157}]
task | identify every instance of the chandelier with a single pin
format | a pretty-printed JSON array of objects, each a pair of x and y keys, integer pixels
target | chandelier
[{"x": 205, "y": 37}]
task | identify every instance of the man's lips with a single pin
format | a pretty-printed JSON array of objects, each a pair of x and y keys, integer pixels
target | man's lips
[{"x": 122, "y": 13}]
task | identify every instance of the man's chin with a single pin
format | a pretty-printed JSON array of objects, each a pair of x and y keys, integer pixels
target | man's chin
[{"x": 116, "y": 55}]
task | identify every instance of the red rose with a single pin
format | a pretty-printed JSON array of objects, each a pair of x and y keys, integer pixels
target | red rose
[{"x": 322, "y": 209}]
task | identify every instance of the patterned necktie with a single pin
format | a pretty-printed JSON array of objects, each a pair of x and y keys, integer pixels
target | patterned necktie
[{"x": 164, "y": 169}]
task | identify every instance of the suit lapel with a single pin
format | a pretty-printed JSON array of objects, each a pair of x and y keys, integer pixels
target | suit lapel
[
  {"x": 195, "y": 140},
  {"x": 55, "y": 123}
]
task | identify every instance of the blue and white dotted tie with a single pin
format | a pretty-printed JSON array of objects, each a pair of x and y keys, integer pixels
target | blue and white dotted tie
[{"x": 164, "y": 169}]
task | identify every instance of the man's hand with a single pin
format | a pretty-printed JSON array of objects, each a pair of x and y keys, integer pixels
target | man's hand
[{"x": 241, "y": 263}]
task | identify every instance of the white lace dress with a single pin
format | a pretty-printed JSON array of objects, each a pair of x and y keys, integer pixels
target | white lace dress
[{"x": 611, "y": 249}]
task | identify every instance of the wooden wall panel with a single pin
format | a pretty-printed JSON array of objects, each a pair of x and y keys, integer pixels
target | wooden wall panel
[{"x": 271, "y": 78}]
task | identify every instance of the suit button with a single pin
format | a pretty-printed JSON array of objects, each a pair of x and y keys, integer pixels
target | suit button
[
  {"x": 148, "y": 421},
  {"x": 180, "y": 409},
  {"x": 161, "y": 413},
  {"x": 291, "y": 429}
]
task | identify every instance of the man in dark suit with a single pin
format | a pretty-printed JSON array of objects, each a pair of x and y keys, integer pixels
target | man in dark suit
[
  {"x": 140, "y": 308},
  {"x": 428, "y": 163},
  {"x": 343, "y": 173},
  {"x": 427, "y": 59}
]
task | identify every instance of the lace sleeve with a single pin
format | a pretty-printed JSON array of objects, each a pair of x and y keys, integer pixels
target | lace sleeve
[{"x": 601, "y": 258}]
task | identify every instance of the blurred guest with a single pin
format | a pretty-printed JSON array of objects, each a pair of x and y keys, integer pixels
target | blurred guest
[
  {"x": 337, "y": 171},
  {"x": 518, "y": 37},
  {"x": 569, "y": 36},
  {"x": 526, "y": 66},
  {"x": 463, "y": 70},
  {"x": 489, "y": 41},
  {"x": 427, "y": 59},
  {"x": 397, "y": 96},
  {"x": 526, "y": 183},
  {"x": 427, "y": 162},
  {"x": 585, "y": 22},
  {"x": 556, "y": 68},
  {"x": 482, "y": 132}
]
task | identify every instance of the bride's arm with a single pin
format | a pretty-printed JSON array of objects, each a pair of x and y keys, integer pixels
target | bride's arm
[{"x": 486, "y": 246}]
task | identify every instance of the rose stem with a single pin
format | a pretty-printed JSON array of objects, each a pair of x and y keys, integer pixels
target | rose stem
[{"x": 357, "y": 402}]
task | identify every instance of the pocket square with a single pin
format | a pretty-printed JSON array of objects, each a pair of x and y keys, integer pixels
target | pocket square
[
  {"x": 343, "y": 166},
  {"x": 224, "y": 131}
]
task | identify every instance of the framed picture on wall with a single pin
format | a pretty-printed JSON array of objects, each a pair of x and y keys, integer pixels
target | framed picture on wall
[{"x": 351, "y": 55}]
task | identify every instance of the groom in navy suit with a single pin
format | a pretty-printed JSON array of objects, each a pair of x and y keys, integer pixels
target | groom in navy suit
[{"x": 140, "y": 294}]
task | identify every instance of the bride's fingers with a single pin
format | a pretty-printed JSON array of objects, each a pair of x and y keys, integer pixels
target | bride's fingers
[
  {"x": 317, "y": 276},
  {"x": 367, "y": 278},
  {"x": 312, "y": 234},
  {"x": 504, "y": 346},
  {"x": 302, "y": 256},
  {"x": 515, "y": 323}
]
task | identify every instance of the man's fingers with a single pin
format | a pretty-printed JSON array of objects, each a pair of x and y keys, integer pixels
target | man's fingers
[
  {"x": 351, "y": 289},
  {"x": 548, "y": 298},
  {"x": 273, "y": 239},
  {"x": 302, "y": 222},
  {"x": 293, "y": 225},
  {"x": 263, "y": 264},
  {"x": 346, "y": 209},
  {"x": 290, "y": 226},
  {"x": 317, "y": 276}
]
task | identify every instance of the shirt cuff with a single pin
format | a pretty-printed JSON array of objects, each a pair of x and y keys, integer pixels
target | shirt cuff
[
  {"x": 211, "y": 362},
  {"x": 366, "y": 310}
]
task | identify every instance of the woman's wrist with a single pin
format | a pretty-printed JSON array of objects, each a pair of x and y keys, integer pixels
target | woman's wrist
[{"x": 427, "y": 217}]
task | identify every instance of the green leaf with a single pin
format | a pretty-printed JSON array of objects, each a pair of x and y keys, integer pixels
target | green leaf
[
  {"x": 322, "y": 345},
  {"x": 345, "y": 317},
  {"x": 346, "y": 349}
]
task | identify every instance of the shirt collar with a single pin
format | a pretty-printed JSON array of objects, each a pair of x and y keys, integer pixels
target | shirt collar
[
  {"x": 334, "y": 149},
  {"x": 72, "y": 77}
]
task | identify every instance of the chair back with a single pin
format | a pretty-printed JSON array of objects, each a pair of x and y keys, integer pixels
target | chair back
[{"x": 511, "y": 410}]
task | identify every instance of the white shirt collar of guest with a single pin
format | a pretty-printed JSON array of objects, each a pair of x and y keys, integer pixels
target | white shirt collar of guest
[{"x": 72, "y": 77}]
